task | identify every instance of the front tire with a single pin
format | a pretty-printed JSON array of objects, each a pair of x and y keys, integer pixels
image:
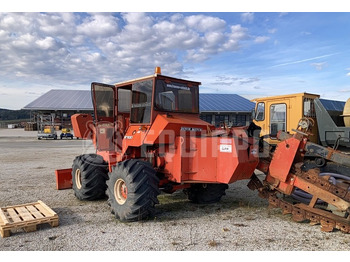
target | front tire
[
  {"x": 132, "y": 190},
  {"x": 205, "y": 193},
  {"x": 89, "y": 175}
]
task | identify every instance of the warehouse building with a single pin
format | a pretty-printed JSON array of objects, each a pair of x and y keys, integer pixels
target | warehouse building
[
  {"x": 231, "y": 109},
  {"x": 57, "y": 106}
]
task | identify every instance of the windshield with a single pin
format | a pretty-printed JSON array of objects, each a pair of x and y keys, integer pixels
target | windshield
[{"x": 176, "y": 97}]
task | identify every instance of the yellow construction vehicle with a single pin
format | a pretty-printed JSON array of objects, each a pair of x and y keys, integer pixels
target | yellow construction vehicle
[
  {"x": 326, "y": 122},
  {"x": 286, "y": 113}
]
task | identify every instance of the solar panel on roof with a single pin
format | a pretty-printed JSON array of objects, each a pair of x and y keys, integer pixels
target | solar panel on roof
[
  {"x": 62, "y": 100},
  {"x": 81, "y": 100},
  {"x": 224, "y": 102},
  {"x": 332, "y": 105}
]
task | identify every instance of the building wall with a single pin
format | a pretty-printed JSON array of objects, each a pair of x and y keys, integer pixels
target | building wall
[
  {"x": 62, "y": 118},
  {"x": 229, "y": 118},
  {"x": 57, "y": 118}
]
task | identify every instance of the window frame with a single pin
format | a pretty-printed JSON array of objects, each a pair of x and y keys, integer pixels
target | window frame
[
  {"x": 257, "y": 113},
  {"x": 194, "y": 96},
  {"x": 150, "y": 103},
  {"x": 285, "y": 118},
  {"x": 98, "y": 117}
]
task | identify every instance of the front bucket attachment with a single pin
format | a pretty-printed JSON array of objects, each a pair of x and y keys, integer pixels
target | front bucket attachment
[{"x": 63, "y": 178}]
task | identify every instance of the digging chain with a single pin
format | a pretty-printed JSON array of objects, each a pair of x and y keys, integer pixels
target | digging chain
[
  {"x": 301, "y": 212},
  {"x": 323, "y": 183}
]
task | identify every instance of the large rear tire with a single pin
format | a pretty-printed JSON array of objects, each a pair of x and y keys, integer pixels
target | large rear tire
[
  {"x": 205, "y": 193},
  {"x": 89, "y": 175},
  {"x": 132, "y": 190}
]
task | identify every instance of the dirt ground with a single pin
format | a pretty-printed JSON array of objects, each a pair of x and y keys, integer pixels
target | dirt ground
[{"x": 240, "y": 222}]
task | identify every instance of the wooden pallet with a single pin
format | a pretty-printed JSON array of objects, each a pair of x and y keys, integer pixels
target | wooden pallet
[{"x": 26, "y": 216}]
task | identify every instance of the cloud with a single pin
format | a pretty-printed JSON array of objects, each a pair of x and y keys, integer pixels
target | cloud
[
  {"x": 304, "y": 60},
  {"x": 319, "y": 66},
  {"x": 344, "y": 90},
  {"x": 237, "y": 34},
  {"x": 99, "y": 25},
  {"x": 231, "y": 81},
  {"x": 205, "y": 23},
  {"x": 46, "y": 43},
  {"x": 249, "y": 80},
  {"x": 348, "y": 69},
  {"x": 304, "y": 33},
  {"x": 261, "y": 39},
  {"x": 77, "y": 48},
  {"x": 247, "y": 17}
]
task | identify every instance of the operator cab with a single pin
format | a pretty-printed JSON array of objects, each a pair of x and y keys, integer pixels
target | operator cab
[
  {"x": 138, "y": 102},
  {"x": 284, "y": 113}
]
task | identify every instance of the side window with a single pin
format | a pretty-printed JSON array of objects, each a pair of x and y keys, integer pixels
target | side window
[
  {"x": 220, "y": 120},
  {"x": 141, "y": 102},
  {"x": 241, "y": 120},
  {"x": 260, "y": 112},
  {"x": 124, "y": 100},
  {"x": 278, "y": 113}
]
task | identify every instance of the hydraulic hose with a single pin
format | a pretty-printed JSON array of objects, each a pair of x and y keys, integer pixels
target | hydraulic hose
[{"x": 305, "y": 197}]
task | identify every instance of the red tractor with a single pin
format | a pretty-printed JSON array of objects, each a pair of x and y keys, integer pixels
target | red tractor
[{"x": 149, "y": 138}]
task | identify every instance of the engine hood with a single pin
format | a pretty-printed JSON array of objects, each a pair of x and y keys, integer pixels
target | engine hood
[{"x": 166, "y": 127}]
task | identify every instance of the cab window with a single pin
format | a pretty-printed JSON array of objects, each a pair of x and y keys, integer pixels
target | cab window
[
  {"x": 141, "y": 102},
  {"x": 278, "y": 114},
  {"x": 176, "y": 97},
  {"x": 260, "y": 112},
  {"x": 103, "y": 99}
]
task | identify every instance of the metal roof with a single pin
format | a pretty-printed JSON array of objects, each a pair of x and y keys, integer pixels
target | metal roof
[
  {"x": 332, "y": 105},
  {"x": 62, "y": 100},
  {"x": 81, "y": 100},
  {"x": 224, "y": 103},
  {"x": 58, "y": 99}
]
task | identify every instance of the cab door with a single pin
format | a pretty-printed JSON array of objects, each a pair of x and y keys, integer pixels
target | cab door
[
  {"x": 104, "y": 97},
  {"x": 278, "y": 118}
]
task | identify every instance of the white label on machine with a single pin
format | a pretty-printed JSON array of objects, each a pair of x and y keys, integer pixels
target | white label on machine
[{"x": 226, "y": 148}]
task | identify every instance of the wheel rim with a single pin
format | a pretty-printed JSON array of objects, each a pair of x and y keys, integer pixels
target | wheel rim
[
  {"x": 120, "y": 191},
  {"x": 78, "y": 178}
]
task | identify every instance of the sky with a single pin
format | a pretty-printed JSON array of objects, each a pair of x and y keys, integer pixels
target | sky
[{"x": 245, "y": 51}]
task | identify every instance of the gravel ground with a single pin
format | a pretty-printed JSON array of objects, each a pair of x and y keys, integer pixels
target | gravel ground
[{"x": 240, "y": 222}]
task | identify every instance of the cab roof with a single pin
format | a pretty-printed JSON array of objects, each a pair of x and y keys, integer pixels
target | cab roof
[
  {"x": 309, "y": 95},
  {"x": 155, "y": 76}
]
